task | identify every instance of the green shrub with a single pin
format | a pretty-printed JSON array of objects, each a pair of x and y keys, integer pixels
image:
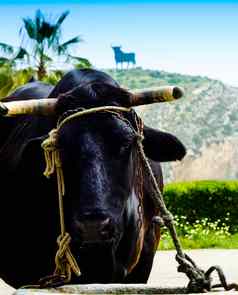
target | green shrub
[
  {"x": 215, "y": 200},
  {"x": 202, "y": 234}
]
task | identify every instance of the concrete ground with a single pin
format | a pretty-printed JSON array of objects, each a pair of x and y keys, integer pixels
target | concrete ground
[
  {"x": 5, "y": 289},
  {"x": 164, "y": 272}
]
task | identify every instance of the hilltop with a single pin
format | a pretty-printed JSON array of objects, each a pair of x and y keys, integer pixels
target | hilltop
[{"x": 205, "y": 120}]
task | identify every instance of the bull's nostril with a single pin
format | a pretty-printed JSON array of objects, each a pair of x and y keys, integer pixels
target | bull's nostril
[
  {"x": 106, "y": 229},
  {"x": 104, "y": 234},
  {"x": 94, "y": 230},
  {"x": 81, "y": 226},
  {"x": 105, "y": 223}
]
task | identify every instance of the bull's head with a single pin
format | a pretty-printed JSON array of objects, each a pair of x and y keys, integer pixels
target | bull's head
[{"x": 98, "y": 151}]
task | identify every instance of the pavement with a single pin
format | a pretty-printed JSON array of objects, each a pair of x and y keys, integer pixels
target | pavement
[{"x": 164, "y": 271}]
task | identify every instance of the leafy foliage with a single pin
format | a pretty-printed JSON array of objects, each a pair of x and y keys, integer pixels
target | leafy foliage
[
  {"x": 138, "y": 78},
  {"x": 46, "y": 39},
  {"x": 80, "y": 62},
  {"x": 11, "y": 54},
  {"x": 45, "y": 44},
  {"x": 204, "y": 199},
  {"x": 10, "y": 79},
  {"x": 53, "y": 77},
  {"x": 203, "y": 233},
  {"x": 6, "y": 48}
]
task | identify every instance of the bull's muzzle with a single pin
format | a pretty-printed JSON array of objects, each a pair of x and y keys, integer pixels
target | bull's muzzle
[{"x": 95, "y": 231}]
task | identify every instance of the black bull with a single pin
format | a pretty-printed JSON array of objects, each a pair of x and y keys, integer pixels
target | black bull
[{"x": 113, "y": 235}]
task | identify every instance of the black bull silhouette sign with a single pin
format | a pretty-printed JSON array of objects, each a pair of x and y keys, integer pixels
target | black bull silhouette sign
[{"x": 121, "y": 57}]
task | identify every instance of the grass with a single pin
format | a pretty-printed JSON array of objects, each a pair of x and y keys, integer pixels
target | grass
[{"x": 201, "y": 234}]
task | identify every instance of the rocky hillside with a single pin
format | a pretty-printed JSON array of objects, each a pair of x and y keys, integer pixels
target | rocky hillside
[{"x": 205, "y": 120}]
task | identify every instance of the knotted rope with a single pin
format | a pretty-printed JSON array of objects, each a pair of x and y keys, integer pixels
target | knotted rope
[
  {"x": 199, "y": 280},
  {"x": 64, "y": 259}
]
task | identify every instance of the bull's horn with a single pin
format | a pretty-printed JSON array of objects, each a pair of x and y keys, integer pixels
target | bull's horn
[
  {"x": 3, "y": 109},
  {"x": 161, "y": 94},
  {"x": 44, "y": 106}
]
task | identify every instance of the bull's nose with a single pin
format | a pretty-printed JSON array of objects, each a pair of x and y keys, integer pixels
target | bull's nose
[
  {"x": 107, "y": 229},
  {"x": 95, "y": 230}
]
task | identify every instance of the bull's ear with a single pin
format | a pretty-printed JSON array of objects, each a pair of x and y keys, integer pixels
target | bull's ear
[{"x": 161, "y": 146}]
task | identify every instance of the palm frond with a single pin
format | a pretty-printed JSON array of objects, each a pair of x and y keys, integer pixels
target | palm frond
[
  {"x": 63, "y": 48},
  {"x": 53, "y": 40},
  {"x": 46, "y": 30},
  {"x": 35, "y": 27},
  {"x": 47, "y": 58},
  {"x": 45, "y": 35},
  {"x": 30, "y": 27},
  {"x": 61, "y": 18},
  {"x": 22, "y": 53},
  {"x": 6, "y": 48},
  {"x": 4, "y": 61},
  {"x": 80, "y": 62}
]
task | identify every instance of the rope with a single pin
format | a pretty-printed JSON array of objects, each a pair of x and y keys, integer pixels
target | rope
[
  {"x": 64, "y": 259},
  {"x": 199, "y": 280},
  {"x": 110, "y": 109},
  {"x": 49, "y": 146},
  {"x": 158, "y": 200}
]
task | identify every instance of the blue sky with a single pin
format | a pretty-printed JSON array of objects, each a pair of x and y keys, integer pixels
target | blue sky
[{"x": 190, "y": 37}]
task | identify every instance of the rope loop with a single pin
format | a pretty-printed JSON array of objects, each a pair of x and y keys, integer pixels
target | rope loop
[
  {"x": 163, "y": 220},
  {"x": 51, "y": 155},
  {"x": 51, "y": 281},
  {"x": 64, "y": 260},
  {"x": 140, "y": 138},
  {"x": 199, "y": 282},
  {"x": 167, "y": 218},
  {"x": 222, "y": 279}
]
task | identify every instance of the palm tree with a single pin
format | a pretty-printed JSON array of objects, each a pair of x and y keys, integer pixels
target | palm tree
[
  {"x": 12, "y": 54},
  {"x": 45, "y": 37},
  {"x": 45, "y": 44}
]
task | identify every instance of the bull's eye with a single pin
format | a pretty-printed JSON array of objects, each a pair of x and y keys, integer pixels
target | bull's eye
[{"x": 124, "y": 147}]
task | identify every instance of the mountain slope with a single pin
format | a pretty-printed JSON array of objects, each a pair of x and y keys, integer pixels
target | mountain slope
[{"x": 205, "y": 120}]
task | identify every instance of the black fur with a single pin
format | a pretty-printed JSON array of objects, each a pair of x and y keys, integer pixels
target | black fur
[{"x": 101, "y": 201}]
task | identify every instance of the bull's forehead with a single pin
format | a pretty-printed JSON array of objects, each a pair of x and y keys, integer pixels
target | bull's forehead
[{"x": 92, "y": 127}]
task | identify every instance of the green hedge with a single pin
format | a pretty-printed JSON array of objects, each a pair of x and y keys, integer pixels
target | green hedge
[{"x": 204, "y": 199}]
